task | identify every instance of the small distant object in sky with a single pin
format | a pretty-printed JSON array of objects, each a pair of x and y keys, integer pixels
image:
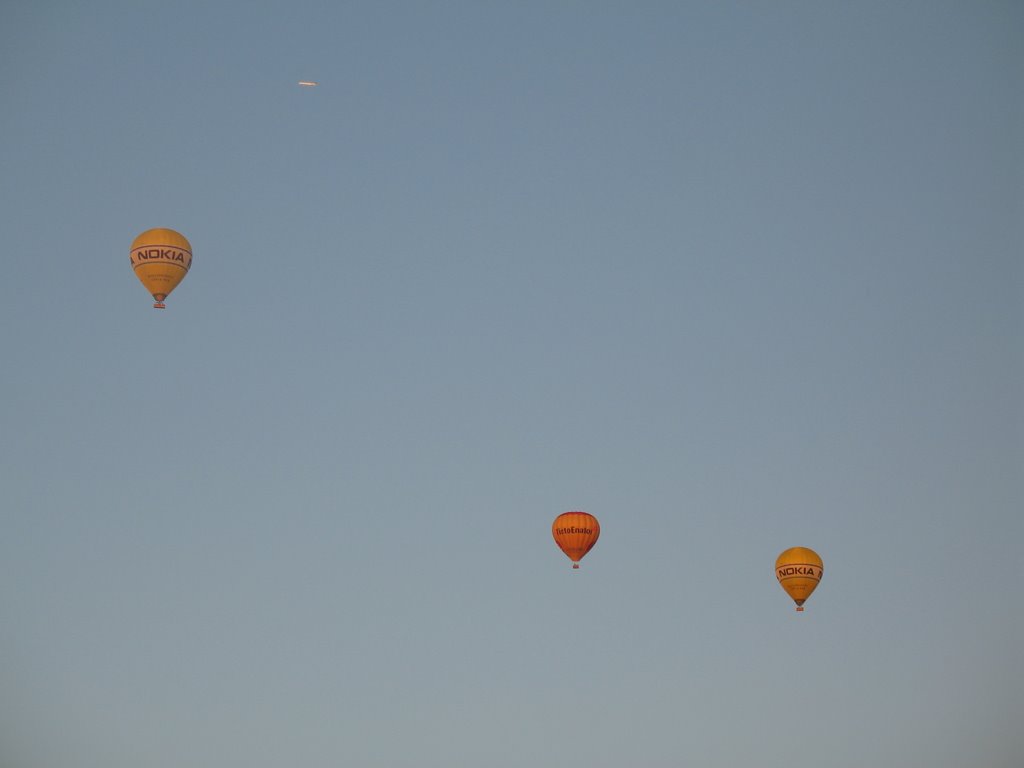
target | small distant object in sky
[
  {"x": 575, "y": 534},
  {"x": 308, "y": 83},
  {"x": 161, "y": 258},
  {"x": 799, "y": 571}
]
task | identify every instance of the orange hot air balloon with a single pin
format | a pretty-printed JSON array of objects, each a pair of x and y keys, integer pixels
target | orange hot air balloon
[
  {"x": 160, "y": 258},
  {"x": 799, "y": 571},
  {"x": 575, "y": 534}
]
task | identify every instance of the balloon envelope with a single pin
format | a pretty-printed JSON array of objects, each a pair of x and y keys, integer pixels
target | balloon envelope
[
  {"x": 161, "y": 258},
  {"x": 799, "y": 571},
  {"x": 575, "y": 534}
]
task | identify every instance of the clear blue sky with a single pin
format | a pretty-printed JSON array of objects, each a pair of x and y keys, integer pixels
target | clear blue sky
[{"x": 732, "y": 277}]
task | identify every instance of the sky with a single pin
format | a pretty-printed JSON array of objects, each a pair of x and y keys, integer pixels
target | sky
[{"x": 732, "y": 277}]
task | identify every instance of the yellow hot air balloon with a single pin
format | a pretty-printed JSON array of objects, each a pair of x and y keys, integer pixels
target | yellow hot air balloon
[
  {"x": 161, "y": 258},
  {"x": 799, "y": 570},
  {"x": 575, "y": 534}
]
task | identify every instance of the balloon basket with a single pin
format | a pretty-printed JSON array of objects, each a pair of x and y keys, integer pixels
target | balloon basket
[
  {"x": 159, "y": 305},
  {"x": 575, "y": 566},
  {"x": 800, "y": 608}
]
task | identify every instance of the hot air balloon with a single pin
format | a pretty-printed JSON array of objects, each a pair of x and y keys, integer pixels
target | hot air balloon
[
  {"x": 575, "y": 534},
  {"x": 799, "y": 570},
  {"x": 160, "y": 258}
]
